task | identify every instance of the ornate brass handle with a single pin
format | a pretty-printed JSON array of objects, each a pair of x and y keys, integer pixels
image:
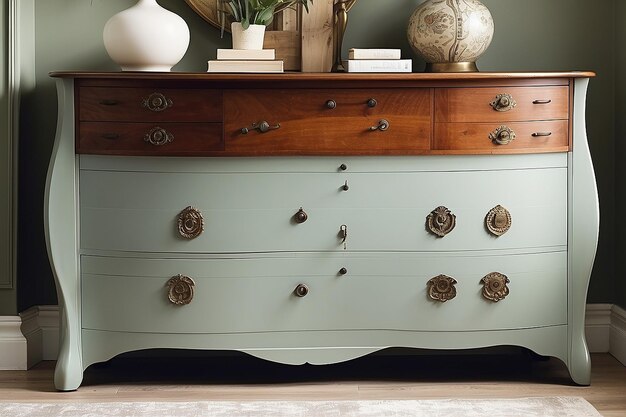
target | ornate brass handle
[
  {"x": 190, "y": 223},
  {"x": 157, "y": 102},
  {"x": 440, "y": 221},
  {"x": 331, "y": 104},
  {"x": 301, "y": 290},
  {"x": 301, "y": 216},
  {"x": 540, "y": 134},
  {"x": 503, "y": 102},
  {"x": 382, "y": 125},
  {"x": 158, "y": 136},
  {"x": 495, "y": 286},
  {"x": 441, "y": 288},
  {"x": 498, "y": 220},
  {"x": 180, "y": 289},
  {"x": 502, "y": 135},
  {"x": 262, "y": 127}
]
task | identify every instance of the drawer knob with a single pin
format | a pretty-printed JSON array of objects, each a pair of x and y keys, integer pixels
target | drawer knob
[
  {"x": 158, "y": 137},
  {"x": 498, "y": 220},
  {"x": 441, "y": 288},
  {"x": 180, "y": 289},
  {"x": 503, "y": 102},
  {"x": 502, "y": 135},
  {"x": 343, "y": 167},
  {"x": 190, "y": 223},
  {"x": 440, "y": 221},
  {"x": 345, "y": 186},
  {"x": 157, "y": 102},
  {"x": 301, "y": 290},
  {"x": 371, "y": 103},
  {"x": 382, "y": 125},
  {"x": 343, "y": 271},
  {"x": 262, "y": 127},
  {"x": 331, "y": 104},
  {"x": 495, "y": 286},
  {"x": 301, "y": 216}
]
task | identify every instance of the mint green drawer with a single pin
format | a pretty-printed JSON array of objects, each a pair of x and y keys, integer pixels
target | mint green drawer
[
  {"x": 380, "y": 291},
  {"x": 252, "y": 212}
]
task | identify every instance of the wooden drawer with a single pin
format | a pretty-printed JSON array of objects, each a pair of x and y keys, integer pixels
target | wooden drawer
[
  {"x": 149, "y": 105},
  {"x": 474, "y": 104},
  {"x": 254, "y": 212},
  {"x": 302, "y": 123},
  {"x": 541, "y": 136},
  {"x": 385, "y": 292},
  {"x": 149, "y": 138}
]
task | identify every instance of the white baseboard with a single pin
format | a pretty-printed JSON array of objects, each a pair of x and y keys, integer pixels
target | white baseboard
[
  {"x": 605, "y": 328},
  {"x": 12, "y": 344}
]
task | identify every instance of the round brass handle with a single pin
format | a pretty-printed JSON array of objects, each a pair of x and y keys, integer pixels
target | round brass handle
[
  {"x": 502, "y": 135},
  {"x": 372, "y": 103},
  {"x": 503, "y": 102},
  {"x": 495, "y": 286},
  {"x": 331, "y": 104},
  {"x": 301, "y": 290},
  {"x": 190, "y": 223},
  {"x": 301, "y": 216},
  {"x": 441, "y": 288},
  {"x": 180, "y": 289}
]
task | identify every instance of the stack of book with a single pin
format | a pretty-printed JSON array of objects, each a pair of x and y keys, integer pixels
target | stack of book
[
  {"x": 376, "y": 60},
  {"x": 246, "y": 60}
]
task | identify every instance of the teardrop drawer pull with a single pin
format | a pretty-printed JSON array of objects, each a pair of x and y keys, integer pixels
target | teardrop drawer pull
[
  {"x": 157, "y": 102},
  {"x": 180, "y": 289},
  {"x": 190, "y": 223},
  {"x": 495, "y": 286},
  {"x": 301, "y": 216},
  {"x": 301, "y": 290},
  {"x": 441, "y": 288},
  {"x": 498, "y": 220},
  {"x": 440, "y": 221}
]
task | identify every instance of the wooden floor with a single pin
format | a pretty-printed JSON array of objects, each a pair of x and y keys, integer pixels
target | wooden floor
[{"x": 177, "y": 377}]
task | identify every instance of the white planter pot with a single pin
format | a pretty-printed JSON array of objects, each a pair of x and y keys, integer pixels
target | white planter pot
[
  {"x": 251, "y": 38},
  {"x": 146, "y": 37}
]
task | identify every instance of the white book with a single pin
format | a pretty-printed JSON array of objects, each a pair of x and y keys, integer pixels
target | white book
[
  {"x": 357, "y": 53},
  {"x": 378, "y": 65},
  {"x": 245, "y": 66},
  {"x": 242, "y": 54}
]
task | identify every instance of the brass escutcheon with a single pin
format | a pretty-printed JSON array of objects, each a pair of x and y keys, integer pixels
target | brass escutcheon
[
  {"x": 502, "y": 135},
  {"x": 503, "y": 102},
  {"x": 441, "y": 288},
  {"x": 158, "y": 137},
  {"x": 190, "y": 223},
  {"x": 495, "y": 286},
  {"x": 157, "y": 102},
  {"x": 180, "y": 289},
  {"x": 498, "y": 220},
  {"x": 440, "y": 221}
]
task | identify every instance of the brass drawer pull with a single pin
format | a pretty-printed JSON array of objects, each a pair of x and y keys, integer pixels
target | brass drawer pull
[
  {"x": 539, "y": 134},
  {"x": 382, "y": 125},
  {"x": 498, "y": 220},
  {"x": 262, "y": 127},
  {"x": 331, "y": 104},
  {"x": 158, "y": 137},
  {"x": 371, "y": 103},
  {"x": 157, "y": 102},
  {"x": 301, "y": 216},
  {"x": 495, "y": 286},
  {"x": 542, "y": 101},
  {"x": 180, "y": 289},
  {"x": 441, "y": 288},
  {"x": 502, "y": 135},
  {"x": 108, "y": 102},
  {"x": 190, "y": 223},
  {"x": 301, "y": 290},
  {"x": 110, "y": 136},
  {"x": 440, "y": 221},
  {"x": 503, "y": 102}
]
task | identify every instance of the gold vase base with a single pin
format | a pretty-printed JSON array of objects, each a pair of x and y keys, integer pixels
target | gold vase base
[{"x": 452, "y": 67}]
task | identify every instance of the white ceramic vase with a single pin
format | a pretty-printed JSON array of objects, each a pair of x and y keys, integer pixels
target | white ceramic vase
[
  {"x": 450, "y": 34},
  {"x": 146, "y": 37},
  {"x": 251, "y": 38}
]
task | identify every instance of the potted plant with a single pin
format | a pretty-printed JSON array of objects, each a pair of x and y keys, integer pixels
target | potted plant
[{"x": 250, "y": 17}]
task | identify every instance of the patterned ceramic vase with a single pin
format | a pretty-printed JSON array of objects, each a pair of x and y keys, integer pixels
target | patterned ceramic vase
[
  {"x": 146, "y": 37},
  {"x": 450, "y": 34}
]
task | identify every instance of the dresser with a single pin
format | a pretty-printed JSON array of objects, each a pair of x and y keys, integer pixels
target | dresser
[{"x": 317, "y": 218}]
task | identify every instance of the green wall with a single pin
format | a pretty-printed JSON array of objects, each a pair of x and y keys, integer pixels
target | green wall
[
  {"x": 530, "y": 35},
  {"x": 620, "y": 147}
]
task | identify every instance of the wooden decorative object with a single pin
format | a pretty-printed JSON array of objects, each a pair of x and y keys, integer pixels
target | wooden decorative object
[{"x": 304, "y": 41}]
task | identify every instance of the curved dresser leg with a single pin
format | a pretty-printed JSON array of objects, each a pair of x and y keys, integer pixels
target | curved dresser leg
[{"x": 61, "y": 231}]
